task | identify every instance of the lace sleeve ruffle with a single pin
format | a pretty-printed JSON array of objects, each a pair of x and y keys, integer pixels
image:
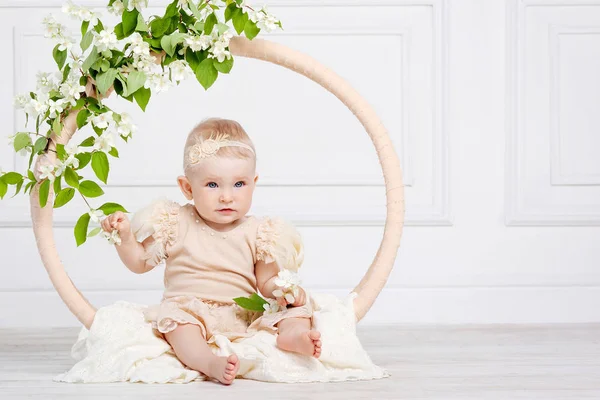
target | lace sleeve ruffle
[
  {"x": 279, "y": 241},
  {"x": 159, "y": 220}
]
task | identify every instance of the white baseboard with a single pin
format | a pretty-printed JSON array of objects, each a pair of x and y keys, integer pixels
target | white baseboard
[{"x": 456, "y": 305}]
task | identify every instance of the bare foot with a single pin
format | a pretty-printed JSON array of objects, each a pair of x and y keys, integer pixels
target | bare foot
[
  {"x": 303, "y": 342},
  {"x": 224, "y": 369}
]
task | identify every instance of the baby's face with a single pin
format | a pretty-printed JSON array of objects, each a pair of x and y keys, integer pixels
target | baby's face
[{"x": 222, "y": 188}]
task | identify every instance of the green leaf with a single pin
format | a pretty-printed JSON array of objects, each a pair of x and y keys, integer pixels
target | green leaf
[
  {"x": 81, "y": 228},
  {"x": 71, "y": 177},
  {"x": 84, "y": 27},
  {"x": 44, "y": 191},
  {"x": 99, "y": 27},
  {"x": 59, "y": 56},
  {"x": 40, "y": 144},
  {"x": 225, "y": 66},
  {"x": 249, "y": 303},
  {"x": 63, "y": 197},
  {"x": 142, "y": 96},
  {"x": 114, "y": 152},
  {"x": 135, "y": 81},
  {"x": 12, "y": 178},
  {"x": 110, "y": 208},
  {"x": 255, "y": 297},
  {"x": 57, "y": 186},
  {"x": 210, "y": 23},
  {"x": 207, "y": 73},
  {"x": 251, "y": 30},
  {"x": 30, "y": 175},
  {"x": 94, "y": 232},
  {"x": 87, "y": 40},
  {"x": 222, "y": 28},
  {"x": 130, "y": 21},
  {"x": 105, "y": 80},
  {"x": 195, "y": 58},
  {"x": 229, "y": 11},
  {"x": 172, "y": 9},
  {"x": 57, "y": 126},
  {"x": 169, "y": 43},
  {"x": 3, "y": 189},
  {"x": 239, "y": 21},
  {"x": 82, "y": 118},
  {"x": 65, "y": 75},
  {"x": 141, "y": 24},
  {"x": 90, "y": 189},
  {"x": 84, "y": 159},
  {"x": 118, "y": 30},
  {"x": 159, "y": 26},
  {"x": 22, "y": 140},
  {"x": 89, "y": 142},
  {"x": 90, "y": 60},
  {"x": 100, "y": 165},
  {"x": 18, "y": 188},
  {"x": 199, "y": 26},
  {"x": 60, "y": 151}
]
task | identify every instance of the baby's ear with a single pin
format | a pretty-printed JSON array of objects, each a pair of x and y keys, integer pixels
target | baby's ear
[
  {"x": 185, "y": 186},
  {"x": 256, "y": 178}
]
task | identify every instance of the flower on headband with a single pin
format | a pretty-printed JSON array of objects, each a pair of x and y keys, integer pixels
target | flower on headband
[{"x": 209, "y": 147}]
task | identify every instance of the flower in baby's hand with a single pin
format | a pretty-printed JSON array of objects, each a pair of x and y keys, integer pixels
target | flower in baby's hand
[
  {"x": 288, "y": 283},
  {"x": 113, "y": 237},
  {"x": 287, "y": 279},
  {"x": 271, "y": 306}
]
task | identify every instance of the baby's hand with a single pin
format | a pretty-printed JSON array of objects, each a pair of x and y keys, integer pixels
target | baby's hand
[
  {"x": 118, "y": 221},
  {"x": 299, "y": 299}
]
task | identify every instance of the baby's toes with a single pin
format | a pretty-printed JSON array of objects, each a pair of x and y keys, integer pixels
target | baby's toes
[{"x": 318, "y": 346}]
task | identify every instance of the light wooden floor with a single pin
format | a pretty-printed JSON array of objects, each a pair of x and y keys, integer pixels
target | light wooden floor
[{"x": 504, "y": 362}]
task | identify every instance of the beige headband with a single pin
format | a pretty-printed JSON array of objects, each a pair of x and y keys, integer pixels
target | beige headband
[{"x": 209, "y": 148}]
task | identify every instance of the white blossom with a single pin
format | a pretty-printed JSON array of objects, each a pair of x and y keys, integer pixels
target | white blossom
[
  {"x": 47, "y": 82},
  {"x": 105, "y": 40},
  {"x": 71, "y": 149},
  {"x": 20, "y": 101},
  {"x": 35, "y": 108},
  {"x": 103, "y": 120},
  {"x": 116, "y": 8},
  {"x": 198, "y": 43},
  {"x": 219, "y": 52},
  {"x": 52, "y": 29},
  {"x": 139, "y": 4},
  {"x": 71, "y": 90},
  {"x": 180, "y": 70},
  {"x": 95, "y": 215},
  {"x": 65, "y": 43},
  {"x": 126, "y": 127},
  {"x": 105, "y": 142},
  {"x": 56, "y": 107},
  {"x": 158, "y": 82},
  {"x": 47, "y": 171},
  {"x": 112, "y": 237},
  {"x": 287, "y": 279},
  {"x": 271, "y": 306}
]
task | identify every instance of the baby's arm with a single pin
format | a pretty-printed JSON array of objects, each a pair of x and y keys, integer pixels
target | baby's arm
[
  {"x": 130, "y": 250},
  {"x": 265, "y": 280}
]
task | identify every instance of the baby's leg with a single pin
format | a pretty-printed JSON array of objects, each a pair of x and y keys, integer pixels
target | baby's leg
[
  {"x": 295, "y": 335},
  {"x": 191, "y": 349}
]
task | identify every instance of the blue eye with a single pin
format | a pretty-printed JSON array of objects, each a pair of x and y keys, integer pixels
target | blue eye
[
  {"x": 239, "y": 184},
  {"x": 212, "y": 185}
]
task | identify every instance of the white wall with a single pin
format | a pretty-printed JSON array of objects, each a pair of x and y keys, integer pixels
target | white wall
[{"x": 492, "y": 106}]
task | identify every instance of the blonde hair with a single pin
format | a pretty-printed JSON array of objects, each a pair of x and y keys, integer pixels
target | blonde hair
[{"x": 214, "y": 127}]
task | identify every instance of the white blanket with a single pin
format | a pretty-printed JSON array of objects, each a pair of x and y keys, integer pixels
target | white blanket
[{"x": 121, "y": 346}]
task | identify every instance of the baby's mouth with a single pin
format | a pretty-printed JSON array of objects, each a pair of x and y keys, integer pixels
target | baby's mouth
[{"x": 226, "y": 210}]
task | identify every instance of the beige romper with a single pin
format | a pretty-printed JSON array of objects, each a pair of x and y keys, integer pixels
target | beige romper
[{"x": 206, "y": 269}]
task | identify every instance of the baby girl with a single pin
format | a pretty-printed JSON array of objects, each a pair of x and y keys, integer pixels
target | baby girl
[{"x": 213, "y": 252}]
